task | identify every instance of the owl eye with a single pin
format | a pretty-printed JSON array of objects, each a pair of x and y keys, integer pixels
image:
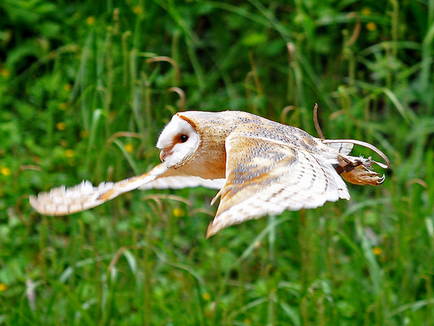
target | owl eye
[{"x": 183, "y": 138}]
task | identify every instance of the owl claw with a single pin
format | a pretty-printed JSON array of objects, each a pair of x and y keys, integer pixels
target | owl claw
[{"x": 381, "y": 180}]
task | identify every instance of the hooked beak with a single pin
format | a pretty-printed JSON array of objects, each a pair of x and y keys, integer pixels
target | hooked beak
[{"x": 165, "y": 153}]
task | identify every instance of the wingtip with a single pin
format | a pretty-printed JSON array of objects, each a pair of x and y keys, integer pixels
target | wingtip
[
  {"x": 39, "y": 207},
  {"x": 212, "y": 230},
  {"x": 33, "y": 200}
]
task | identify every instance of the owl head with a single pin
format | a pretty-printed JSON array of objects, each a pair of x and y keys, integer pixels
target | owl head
[{"x": 178, "y": 142}]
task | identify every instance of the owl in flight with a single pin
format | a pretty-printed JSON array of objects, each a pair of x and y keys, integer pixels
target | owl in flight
[{"x": 260, "y": 167}]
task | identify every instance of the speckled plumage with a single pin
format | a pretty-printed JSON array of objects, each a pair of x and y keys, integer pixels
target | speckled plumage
[{"x": 260, "y": 166}]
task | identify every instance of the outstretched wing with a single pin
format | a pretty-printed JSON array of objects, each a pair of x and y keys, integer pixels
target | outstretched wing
[
  {"x": 64, "y": 201},
  {"x": 266, "y": 176}
]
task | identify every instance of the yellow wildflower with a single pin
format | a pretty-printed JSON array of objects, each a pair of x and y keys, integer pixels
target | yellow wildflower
[
  {"x": 5, "y": 171},
  {"x": 90, "y": 20},
  {"x": 129, "y": 148},
  {"x": 371, "y": 26},
  {"x": 377, "y": 251},
  {"x": 206, "y": 296},
  {"x": 3, "y": 287},
  {"x": 61, "y": 126},
  {"x": 5, "y": 73},
  {"x": 366, "y": 11},
  {"x": 69, "y": 153},
  {"x": 178, "y": 212}
]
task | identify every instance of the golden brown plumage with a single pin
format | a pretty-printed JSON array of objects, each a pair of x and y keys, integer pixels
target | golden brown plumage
[{"x": 260, "y": 166}]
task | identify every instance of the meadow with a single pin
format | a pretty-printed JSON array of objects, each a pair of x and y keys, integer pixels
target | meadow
[{"x": 85, "y": 89}]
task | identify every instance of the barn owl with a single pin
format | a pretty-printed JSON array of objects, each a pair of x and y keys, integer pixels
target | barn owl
[{"x": 259, "y": 166}]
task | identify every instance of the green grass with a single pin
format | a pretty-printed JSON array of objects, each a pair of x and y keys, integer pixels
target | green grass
[{"x": 84, "y": 95}]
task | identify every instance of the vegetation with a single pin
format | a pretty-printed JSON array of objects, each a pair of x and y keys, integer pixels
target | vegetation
[{"x": 85, "y": 88}]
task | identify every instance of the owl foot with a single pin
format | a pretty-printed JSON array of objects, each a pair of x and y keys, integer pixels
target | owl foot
[{"x": 357, "y": 170}]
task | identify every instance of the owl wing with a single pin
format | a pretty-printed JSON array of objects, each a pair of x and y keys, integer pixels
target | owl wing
[
  {"x": 266, "y": 176},
  {"x": 172, "y": 179},
  {"x": 64, "y": 201}
]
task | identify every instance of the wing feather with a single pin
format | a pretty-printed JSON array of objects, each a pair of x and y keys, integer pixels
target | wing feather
[
  {"x": 64, "y": 201},
  {"x": 266, "y": 177},
  {"x": 171, "y": 180},
  {"x": 343, "y": 148}
]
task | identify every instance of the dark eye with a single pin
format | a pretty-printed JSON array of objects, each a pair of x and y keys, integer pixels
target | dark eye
[{"x": 184, "y": 138}]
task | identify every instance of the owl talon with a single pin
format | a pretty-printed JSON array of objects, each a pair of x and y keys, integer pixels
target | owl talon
[{"x": 381, "y": 180}]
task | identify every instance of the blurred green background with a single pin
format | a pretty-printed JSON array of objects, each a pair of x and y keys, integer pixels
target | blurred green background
[{"x": 85, "y": 88}]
